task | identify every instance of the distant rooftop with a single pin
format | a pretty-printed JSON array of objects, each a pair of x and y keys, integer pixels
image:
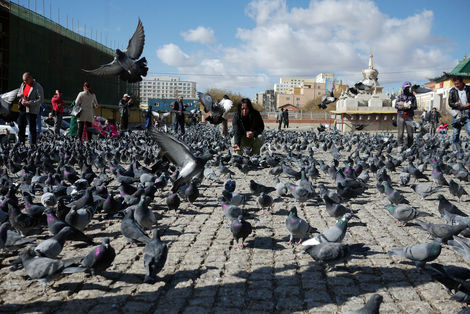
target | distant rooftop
[{"x": 461, "y": 69}]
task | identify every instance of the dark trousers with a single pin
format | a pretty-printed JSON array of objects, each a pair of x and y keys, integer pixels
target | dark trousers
[
  {"x": 83, "y": 125},
  {"x": 30, "y": 119},
  {"x": 179, "y": 122},
  {"x": 57, "y": 122},
  {"x": 432, "y": 127},
  {"x": 124, "y": 122},
  {"x": 286, "y": 123},
  {"x": 402, "y": 123}
]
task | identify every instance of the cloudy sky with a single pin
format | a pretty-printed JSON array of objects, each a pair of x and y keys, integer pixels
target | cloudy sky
[{"x": 246, "y": 46}]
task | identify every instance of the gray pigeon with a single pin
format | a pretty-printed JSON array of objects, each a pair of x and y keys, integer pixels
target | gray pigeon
[
  {"x": 52, "y": 247},
  {"x": 335, "y": 233},
  {"x": 443, "y": 231},
  {"x": 405, "y": 213},
  {"x": 419, "y": 253},
  {"x": 143, "y": 215},
  {"x": 6, "y": 100},
  {"x": 461, "y": 245},
  {"x": 43, "y": 269},
  {"x": 456, "y": 189},
  {"x": 264, "y": 201},
  {"x": 231, "y": 211},
  {"x": 155, "y": 254},
  {"x": 79, "y": 218},
  {"x": 179, "y": 154},
  {"x": 393, "y": 195},
  {"x": 372, "y": 306},
  {"x": 297, "y": 227},
  {"x": 424, "y": 190},
  {"x": 405, "y": 178},
  {"x": 132, "y": 230},
  {"x": 125, "y": 63},
  {"x": 332, "y": 253},
  {"x": 281, "y": 188},
  {"x": 10, "y": 240}
]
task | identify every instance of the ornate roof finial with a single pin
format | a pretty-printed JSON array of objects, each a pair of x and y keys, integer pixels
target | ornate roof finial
[{"x": 371, "y": 61}]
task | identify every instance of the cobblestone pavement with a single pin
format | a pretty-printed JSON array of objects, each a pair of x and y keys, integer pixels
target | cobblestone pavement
[{"x": 205, "y": 272}]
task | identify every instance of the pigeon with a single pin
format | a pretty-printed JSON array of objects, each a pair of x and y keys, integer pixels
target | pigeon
[
  {"x": 97, "y": 261},
  {"x": 257, "y": 188},
  {"x": 6, "y": 100},
  {"x": 264, "y": 201},
  {"x": 405, "y": 178},
  {"x": 332, "y": 253},
  {"x": 420, "y": 254},
  {"x": 43, "y": 269},
  {"x": 326, "y": 100},
  {"x": 437, "y": 176},
  {"x": 230, "y": 184},
  {"x": 445, "y": 205},
  {"x": 179, "y": 154},
  {"x": 424, "y": 190},
  {"x": 155, "y": 254},
  {"x": 335, "y": 233},
  {"x": 216, "y": 110},
  {"x": 443, "y": 231},
  {"x": 79, "y": 218},
  {"x": 132, "y": 230},
  {"x": 143, "y": 215},
  {"x": 405, "y": 213},
  {"x": 173, "y": 201},
  {"x": 297, "y": 227},
  {"x": 231, "y": 211},
  {"x": 362, "y": 86},
  {"x": 456, "y": 189},
  {"x": 10, "y": 240},
  {"x": 100, "y": 258},
  {"x": 233, "y": 198},
  {"x": 372, "y": 306},
  {"x": 281, "y": 188},
  {"x": 393, "y": 195},
  {"x": 55, "y": 225},
  {"x": 241, "y": 229},
  {"x": 334, "y": 209},
  {"x": 52, "y": 247},
  {"x": 125, "y": 63}
]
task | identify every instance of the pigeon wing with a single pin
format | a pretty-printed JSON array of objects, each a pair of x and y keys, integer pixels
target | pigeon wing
[
  {"x": 112, "y": 68},
  {"x": 5, "y": 101},
  {"x": 206, "y": 100},
  {"x": 136, "y": 43},
  {"x": 176, "y": 151}
]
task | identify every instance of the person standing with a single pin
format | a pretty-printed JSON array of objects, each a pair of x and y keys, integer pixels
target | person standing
[
  {"x": 405, "y": 105},
  {"x": 87, "y": 101},
  {"x": 73, "y": 128},
  {"x": 285, "y": 117},
  {"x": 124, "y": 111},
  {"x": 248, "y": 127},
  {"x": 58, "y": 111},
  {"x": 178, "y": 110},
  {"x": 279, "y": 119},
  {"x": 31, "y": 96},
  {"x": 459, "y": 101},
  {"x": 434, "y": 117}
]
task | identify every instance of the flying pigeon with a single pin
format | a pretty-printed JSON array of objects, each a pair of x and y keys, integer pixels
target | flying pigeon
[
  {"x": 125, "y": 63},
  {"x": 179, "y": 154},
  {"x": 6, "y": 100},
  {"x": 217, "y": 110}
]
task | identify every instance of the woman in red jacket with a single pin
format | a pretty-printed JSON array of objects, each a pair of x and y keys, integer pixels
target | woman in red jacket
[{"x": 58, "y": 109}]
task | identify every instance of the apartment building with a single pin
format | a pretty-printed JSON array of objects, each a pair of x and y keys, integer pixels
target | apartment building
[{"x": 166, "y": 87}]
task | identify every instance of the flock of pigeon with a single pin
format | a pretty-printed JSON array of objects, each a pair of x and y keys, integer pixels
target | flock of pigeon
[{"x": 79, "y": 184}]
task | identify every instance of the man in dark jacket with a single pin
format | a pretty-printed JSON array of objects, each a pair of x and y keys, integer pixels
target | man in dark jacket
[
  {"x": 178, "y": 110},
  {"x": 434, "y": 118},
  {"x": 124, "y": 111},
  {"x": 285, "y": 117},
  {"x": 459, "y": 101},
  {"x": 405, "y": 105},
  {"x": 248, "y": 127}
]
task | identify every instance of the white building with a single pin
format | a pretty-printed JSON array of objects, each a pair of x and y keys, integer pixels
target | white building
[
  {"x": 324, "y": 77},
  {"x": 166, "y": 87}
]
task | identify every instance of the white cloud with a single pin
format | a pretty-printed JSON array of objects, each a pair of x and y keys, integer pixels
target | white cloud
[
  {"x": 172, "y": 55},
  {"x": 327, "y": 36},
  {"x": 200, "y": 34}
]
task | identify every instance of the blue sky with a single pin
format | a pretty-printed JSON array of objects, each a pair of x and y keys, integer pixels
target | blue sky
[{"x": 245, "y": 46}]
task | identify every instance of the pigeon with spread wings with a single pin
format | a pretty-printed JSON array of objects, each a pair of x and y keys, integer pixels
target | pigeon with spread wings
[
  {"x": 217, "y": 110},
  {"x": 125, "y": 63},
  {"x": 178, "y": 153}
]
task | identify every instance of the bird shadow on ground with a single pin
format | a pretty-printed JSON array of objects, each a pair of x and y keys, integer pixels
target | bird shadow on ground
[
  {"x": 281, "y": 212},
  {"x": 73, "y": 286},
  {"x": 106, "y": 234},
  {"x": 265, "y": 243},
  {"x": 357, "y": 224}
]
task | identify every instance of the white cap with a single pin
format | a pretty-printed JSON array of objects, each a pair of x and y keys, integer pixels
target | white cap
[{"x": 126, "y": 95}]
